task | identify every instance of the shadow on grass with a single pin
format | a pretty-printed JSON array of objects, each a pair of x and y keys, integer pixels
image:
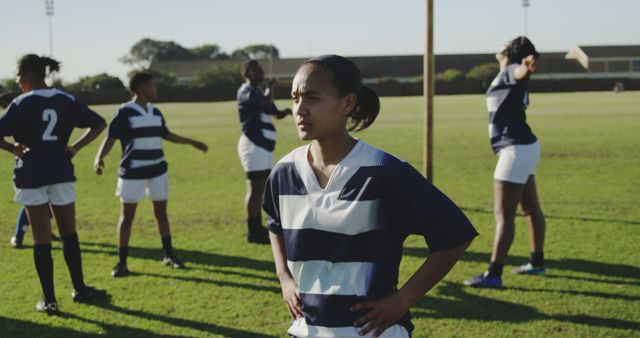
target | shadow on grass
[
  {"x": 568, "y": 218},
  {"x": 608, "y": 270},
  {"x": 460, "y": 304},
  {"x": 254, "y": 287},
  {"x": 185, "y": 323},
  {"x": 198, "y": 257}
]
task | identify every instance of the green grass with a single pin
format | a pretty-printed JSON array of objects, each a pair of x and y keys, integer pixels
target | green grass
[{"x": 588, "y": 180}]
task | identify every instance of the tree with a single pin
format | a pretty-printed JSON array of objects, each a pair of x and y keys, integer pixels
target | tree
[
  {"x": 96, "y": 82},
  {"x": 219, "y": 75},
  {"x": 9, "y": 85},
  {"x": 161, "y": 79},
  {"x": 256, "y": 52},
  {"x": 450, "y": 75},
  {"x": 209, "y": 52},
  {"x": 483, "y": 73},
  {"x": 147, "y": 50}
]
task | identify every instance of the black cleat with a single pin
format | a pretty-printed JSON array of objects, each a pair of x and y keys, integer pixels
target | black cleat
[
  {"x": 88, "y": 294},
  {"x": 16, "y": 242},
  {"x": 173, "y": 262},
  {"x": 55, "y": 238},
  {"x": 48, "y": 308},
  {"x": 120, "y": 270}
]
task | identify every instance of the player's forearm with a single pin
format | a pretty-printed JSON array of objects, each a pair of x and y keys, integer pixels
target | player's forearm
[
  {"x": 435, "y": 267},
  {"x": 174, "y": 138},
  {"x": 279, "y": 256},
  {"x": 89, "y": 136},
  {"x": 105, "y": 148}
]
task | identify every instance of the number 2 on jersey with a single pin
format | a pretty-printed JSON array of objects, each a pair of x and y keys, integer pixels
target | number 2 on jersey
[{"x": 49, "y": 115}]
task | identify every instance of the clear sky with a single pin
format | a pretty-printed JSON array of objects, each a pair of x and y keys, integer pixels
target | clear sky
[{"x": 90, "y": 36}]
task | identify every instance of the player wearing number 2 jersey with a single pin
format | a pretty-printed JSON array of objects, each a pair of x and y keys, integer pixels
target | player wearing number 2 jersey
[{"x": 41, "y": 121}]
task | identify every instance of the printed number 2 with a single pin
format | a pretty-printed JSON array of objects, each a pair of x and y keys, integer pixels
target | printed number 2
[{"x": 49, "y": 115}]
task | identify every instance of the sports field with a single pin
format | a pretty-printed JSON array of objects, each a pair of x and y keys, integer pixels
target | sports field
[{"x": 589, "y": 185}]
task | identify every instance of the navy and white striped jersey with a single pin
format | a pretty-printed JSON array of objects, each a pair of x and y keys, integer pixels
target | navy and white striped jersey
[
  {"x": 344, "y": 243},
  {"x": 255, "y": 116},
  {"x": 140, "y": 133},
  {"x": 43, "y": 120},
  {"x": 507, "y": 100}
]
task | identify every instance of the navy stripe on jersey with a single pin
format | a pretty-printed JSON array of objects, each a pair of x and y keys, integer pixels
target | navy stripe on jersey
[
  {"x": 43, "y": 120},
  {"x": 335, "y": 311},
  {"x": 140, "y": 132},
  {"x": 507, "y": 100},
  {"x": 311, "y": 244},
  {"x": 255, "y": 116}
]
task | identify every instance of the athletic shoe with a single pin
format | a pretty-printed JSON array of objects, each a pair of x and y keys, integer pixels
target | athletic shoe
[
  {"x": 48, "y": 308},
  {"x": 88, "y": 294},
  {"x": 173, "y": 261},
  {"x": 528, "y": 269},
  {"x": 120, "y": 270},
  {"x": 16, "y": 242},
  {"x": 483, "y": 281},
  {"x": 55, "y": 238}
]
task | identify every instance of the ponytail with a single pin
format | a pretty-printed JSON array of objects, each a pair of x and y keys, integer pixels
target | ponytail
[
  {"x": 38, "y": 66},
  {"x": 347, "y": 79},
  {"x": 366, "y": 112}
]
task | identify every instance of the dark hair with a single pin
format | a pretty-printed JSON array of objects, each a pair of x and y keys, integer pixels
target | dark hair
[
  {"x": 138, "y": 78},
  {"x": 519, "y": 48},
  {"x": 244, "y": 68},
  {"x": 346, "y": 77},
  {"x": 37, "y": 66}
]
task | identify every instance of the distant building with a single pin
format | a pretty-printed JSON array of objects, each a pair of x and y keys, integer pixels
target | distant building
[{"x": 608, "y": 61}]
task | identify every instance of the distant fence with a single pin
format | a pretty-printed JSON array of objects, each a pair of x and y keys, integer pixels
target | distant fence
[{"x": 187, "y": 94}]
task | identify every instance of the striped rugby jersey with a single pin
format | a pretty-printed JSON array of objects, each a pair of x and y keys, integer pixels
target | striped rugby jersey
[
  {"x": 43, "y": 120},
  {"x": 255, "y": 116},
  {"x": 140, "y": 133},
  {"x": 344, "y": 243},
  {"x": 507, "y": 100}
]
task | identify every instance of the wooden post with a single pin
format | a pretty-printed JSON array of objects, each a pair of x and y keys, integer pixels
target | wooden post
[{"x": 428, "y": 93}]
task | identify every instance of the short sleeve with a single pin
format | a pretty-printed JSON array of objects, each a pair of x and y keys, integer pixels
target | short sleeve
[
  {"x": 271, "y": 205},
  {"x": 9, "y": 121},
  {"x": 165, "y": 129},
  {"x": 118, "y": 125},
  {"x": 84, "y": 117},
  {"x": 426, "y": 211}
]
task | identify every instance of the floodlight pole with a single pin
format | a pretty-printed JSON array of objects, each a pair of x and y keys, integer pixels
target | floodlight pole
[
  {"x": 428, "y": 91},
  {"x": 525, "y": 6},
  {"x": 48, "y": 4}
]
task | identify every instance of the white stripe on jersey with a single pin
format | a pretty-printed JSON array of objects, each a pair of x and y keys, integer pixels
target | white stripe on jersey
[
  {"x": 145, "y": 121},
  {"x": 147, "y": 143},
  {"x": 266, "y": 118},
  {"x": 145, "y": 163},
  {"x": 326, "y": 212},
  {"x": 269, "y": 134},
  {"x": 326, "y": 278},
  {"x": 299, "y": 328}
]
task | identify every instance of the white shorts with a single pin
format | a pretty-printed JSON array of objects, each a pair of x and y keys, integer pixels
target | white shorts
[
  {"x": 252, "y": 157},
  {"x": 131, "y": 191},
  {"x": 517, "y": 162},
  {"x": 55, "y": 194}
]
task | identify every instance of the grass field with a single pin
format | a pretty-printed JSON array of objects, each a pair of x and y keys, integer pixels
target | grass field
[{"x": 588, "y": 180}]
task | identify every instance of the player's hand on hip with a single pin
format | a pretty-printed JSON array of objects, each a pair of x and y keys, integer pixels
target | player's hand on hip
[
  {"x": 291, "y": 296},
  {"x": 98, "y": 166},
  {"x": 382, "y": 313},
  {"x": 20, "y": 150}
]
